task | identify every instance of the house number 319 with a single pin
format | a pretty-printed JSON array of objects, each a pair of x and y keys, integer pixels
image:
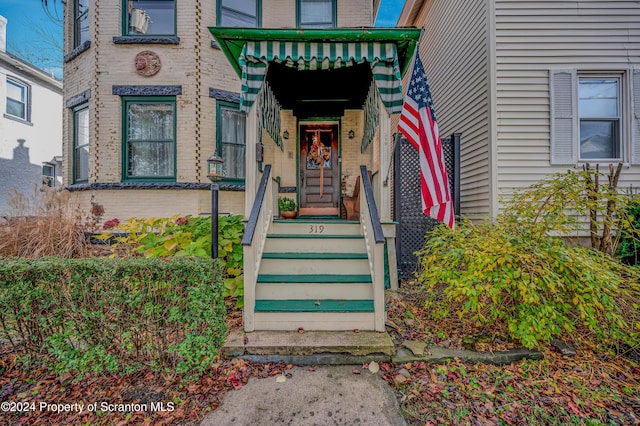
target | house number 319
[{"x": 316, "y": 229}]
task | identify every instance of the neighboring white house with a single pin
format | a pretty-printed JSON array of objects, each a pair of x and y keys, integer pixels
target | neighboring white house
[
  {"x": 30, "y": 123},
  {"x": 534, "y": 87}
]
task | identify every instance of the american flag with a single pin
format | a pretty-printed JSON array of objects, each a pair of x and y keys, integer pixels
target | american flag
[{"x": 418, "y": 124}]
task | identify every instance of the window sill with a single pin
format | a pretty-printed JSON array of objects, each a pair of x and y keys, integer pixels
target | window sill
[
  {"x": 18, "y": 119},
  {"x": 602, "y": 163},
  {"x": 146, "y": 40},
  {"x": 77, "y": 51}
]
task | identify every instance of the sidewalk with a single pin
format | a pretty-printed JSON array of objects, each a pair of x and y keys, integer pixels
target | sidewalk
[{"x": 329, "y": 395}]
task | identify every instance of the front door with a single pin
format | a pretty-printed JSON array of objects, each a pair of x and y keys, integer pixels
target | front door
[{"x": 319, "y": 181}]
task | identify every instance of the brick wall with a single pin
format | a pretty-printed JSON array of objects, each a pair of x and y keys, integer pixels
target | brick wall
[{"x": 195, "y": 66}]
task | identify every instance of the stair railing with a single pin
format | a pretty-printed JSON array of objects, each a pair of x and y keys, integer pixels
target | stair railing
[
  {"x": 374, "y": 241},
  {"x": 253, "y": 241}
]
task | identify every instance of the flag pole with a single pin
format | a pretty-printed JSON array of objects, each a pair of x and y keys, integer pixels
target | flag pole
[{"x": 396, "y": 134}]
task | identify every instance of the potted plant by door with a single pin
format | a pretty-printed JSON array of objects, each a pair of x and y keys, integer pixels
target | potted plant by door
[{"x": 287, "y": 208}]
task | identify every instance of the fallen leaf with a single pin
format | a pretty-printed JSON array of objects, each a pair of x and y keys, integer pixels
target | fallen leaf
[
  {"x": 301, "y": 330},
  {"x": 374, "y": 367},
  {"x": 281, "y": 378},
  {"x": 400, "y": 379},
  {"x": 355, "y": 330},
  {"x": 356, "y": 371}
]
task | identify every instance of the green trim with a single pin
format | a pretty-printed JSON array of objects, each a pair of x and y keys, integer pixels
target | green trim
[
  {"x": 125, "y": 21},
  {"x": 258, "y": 15},
  {"x": 236, "y": 107},
  {"x": 314, "y": 278},
  {"x": 232, "y": 40},
  {"x": 334, "y": 14},
  {"x": 314, "y": 306},
  {"x": 75, "y": 111},
  {"x": 125, "y": 152},
  {"x": 325, "y": 256},
  {"x": 315, "y": 236}
]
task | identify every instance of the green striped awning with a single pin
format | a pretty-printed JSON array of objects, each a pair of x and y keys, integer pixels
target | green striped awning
[{"x": 306, "y": 55}]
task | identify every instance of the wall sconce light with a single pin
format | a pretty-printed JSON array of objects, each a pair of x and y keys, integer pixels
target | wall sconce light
[
  {"x": 352, "y": 134},
  {"x": 285, "y": 135}
]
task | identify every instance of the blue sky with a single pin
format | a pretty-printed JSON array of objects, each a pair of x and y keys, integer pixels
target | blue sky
[
  {"x": 389, "y": 12},
  {"x": 27, "y": 30},
  {"x": 28, "y": 27}
]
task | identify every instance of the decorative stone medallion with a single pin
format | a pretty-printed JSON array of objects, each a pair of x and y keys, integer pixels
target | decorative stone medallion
[{"x": 147, "y": 63}]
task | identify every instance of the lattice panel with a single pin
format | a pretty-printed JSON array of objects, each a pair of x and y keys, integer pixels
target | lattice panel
[{"x": 415, "y": 225}]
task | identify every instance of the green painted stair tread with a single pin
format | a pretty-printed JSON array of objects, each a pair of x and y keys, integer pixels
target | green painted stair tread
[
  {"x": 314, "y": 278},
  {"x": 321, "y": 305},
  {"x": 296, "y": 255},
  {"x": 315, "y": 236}
]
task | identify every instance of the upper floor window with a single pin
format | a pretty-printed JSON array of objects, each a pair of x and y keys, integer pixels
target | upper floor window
[
  {"x": 81, "y": 143},
  {"x": 18, "y": 99},
  {"x": 150, "y": 17},
  {"x": 316, "y": 13},
  {"x": 239, "y": 13},
  {"x": 81, "y": 22},
  {"x": 149, "y": 138},
  {"x": 599, "y": 107},
  {"x": 231, "y": 140}
]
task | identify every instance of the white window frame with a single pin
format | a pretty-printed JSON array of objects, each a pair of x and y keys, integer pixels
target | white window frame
[
  {"x": 619, "y": 78},
  {"x": 26, "y": 102}
]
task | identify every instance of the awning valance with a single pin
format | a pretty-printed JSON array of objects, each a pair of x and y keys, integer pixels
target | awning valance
[
  {"x": 382, "y": 57},
  {"x": 387, "y": 50}
]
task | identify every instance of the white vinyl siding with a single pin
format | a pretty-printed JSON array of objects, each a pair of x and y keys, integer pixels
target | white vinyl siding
[
  {"x": 454, "y": 30},
  {"x": 535, "y": 42}
]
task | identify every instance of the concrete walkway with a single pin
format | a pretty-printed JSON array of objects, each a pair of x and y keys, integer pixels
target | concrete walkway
[{"x": 330, "y": 395}]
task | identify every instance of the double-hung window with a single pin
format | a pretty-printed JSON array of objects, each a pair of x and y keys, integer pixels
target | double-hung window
[
  {"x": 231, "y": 140},
  {"x": 239, "y": 13},
  {"x": 18, "y": 99},
  {"x": 595, "y": 117},
  {"x": 150, "y": 17},
  {"x": 316, "y": 13},
  {"x": 81, "y": 22},
  {"x": 81, "y": 143},
  {"x": 599, "y": 107},
  {"x": 149, "y": 138}
]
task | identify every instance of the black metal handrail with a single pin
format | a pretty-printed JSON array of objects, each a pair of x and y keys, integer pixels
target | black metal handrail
[
  {"x": 378, "y": 235},
  {"x": 247, "y": 238}
]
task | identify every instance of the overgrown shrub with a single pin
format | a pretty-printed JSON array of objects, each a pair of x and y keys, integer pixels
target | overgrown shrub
[
  {"x": 535, "y": 286},
  {"x": 570, "y": 203},
  {"x": 629, "y": 246},
  {"x": 115, "y": 314},
  {"x": 42, "y": 223},
  {"x": 183, "y": 236}
]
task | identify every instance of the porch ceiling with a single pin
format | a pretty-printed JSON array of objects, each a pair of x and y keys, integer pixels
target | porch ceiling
[{"x": 324, "y": 93}]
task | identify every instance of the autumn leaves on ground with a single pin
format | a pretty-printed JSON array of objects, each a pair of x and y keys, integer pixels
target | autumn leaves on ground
[{"x": 591, "y": 388}]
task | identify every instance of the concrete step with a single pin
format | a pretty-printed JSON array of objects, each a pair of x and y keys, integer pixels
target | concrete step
[
  {"x": 316, "y": 227},
  {"x": 300, "y": 243},
  {"x": 317, "y": 265},
  {"x": 310, "y": 347}
]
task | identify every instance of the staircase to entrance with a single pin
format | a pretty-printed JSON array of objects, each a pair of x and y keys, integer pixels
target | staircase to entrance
[{"x": 314, "y": 275}]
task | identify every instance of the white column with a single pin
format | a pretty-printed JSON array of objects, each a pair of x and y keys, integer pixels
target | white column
[
  {"x": 384, "y": 134},
  {"x": 251, "y": 167}
]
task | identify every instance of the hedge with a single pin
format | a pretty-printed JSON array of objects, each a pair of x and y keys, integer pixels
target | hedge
[{"x": 121, "y": 315}]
